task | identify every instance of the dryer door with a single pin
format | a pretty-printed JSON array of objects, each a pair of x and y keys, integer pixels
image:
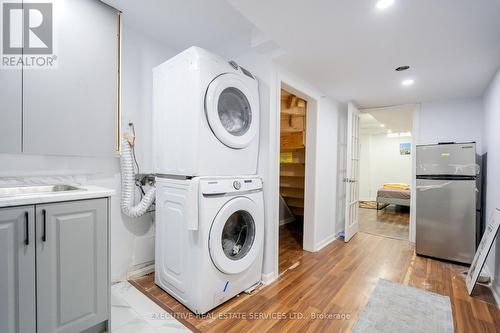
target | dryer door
[
  {"x": 236, "y": 236},
  {"x": 232, "y": 111}
]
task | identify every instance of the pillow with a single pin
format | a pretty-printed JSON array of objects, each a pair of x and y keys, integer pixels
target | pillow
[{"x": 399, "y": 186}]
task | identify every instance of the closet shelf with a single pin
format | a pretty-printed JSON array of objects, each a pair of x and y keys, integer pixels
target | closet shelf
[
  {"x": 292, "y": 193},
  {"x": 294, "y": 111}
]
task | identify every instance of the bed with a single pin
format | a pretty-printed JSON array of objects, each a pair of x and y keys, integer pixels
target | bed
[{"x": 393, "y": 195}]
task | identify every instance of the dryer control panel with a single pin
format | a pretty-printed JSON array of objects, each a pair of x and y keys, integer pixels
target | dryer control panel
[{"x": 230, "y": 185}]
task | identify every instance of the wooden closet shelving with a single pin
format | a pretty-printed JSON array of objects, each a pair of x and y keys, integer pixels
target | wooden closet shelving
[{"x": 292, "y": 148}]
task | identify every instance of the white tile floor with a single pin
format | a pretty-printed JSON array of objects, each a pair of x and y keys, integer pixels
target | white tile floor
[{"x": 133, "y": 312}]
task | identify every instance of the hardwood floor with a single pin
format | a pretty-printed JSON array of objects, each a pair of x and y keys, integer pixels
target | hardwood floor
[
  {"x": 290, "y": 245},
  {"x": 337, "y": 280},
  {"x": 392, "y": 221}
]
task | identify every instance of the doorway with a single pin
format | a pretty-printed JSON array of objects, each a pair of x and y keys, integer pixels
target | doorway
[
  {"x": 385, "y": 175},
  {"x": 292, "y": 178}
]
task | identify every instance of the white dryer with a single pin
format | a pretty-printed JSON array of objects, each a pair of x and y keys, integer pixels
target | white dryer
[
  {"x": 205, "y": 116},
  {"x": 209, "y": 238}
]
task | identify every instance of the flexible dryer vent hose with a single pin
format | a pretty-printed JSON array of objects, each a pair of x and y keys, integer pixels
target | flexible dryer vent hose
[{"x": 128, "y": 185}]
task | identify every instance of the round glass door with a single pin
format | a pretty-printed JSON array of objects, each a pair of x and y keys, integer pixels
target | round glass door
[
  {"x": 236, "y": 236},
  {"x": 232, "y": 111},
  {"x": 235, "y": 112}
]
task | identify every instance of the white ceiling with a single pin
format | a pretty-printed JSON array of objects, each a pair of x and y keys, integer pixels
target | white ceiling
[
  {"x": 350, "y": 49},
  {"x": 396, "y": 119},
  {"x": 211, "y": 24},
  {"x": 347, "y": 48}
]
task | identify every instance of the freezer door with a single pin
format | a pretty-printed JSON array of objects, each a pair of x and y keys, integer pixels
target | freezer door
[
  {"x": 447, "y": 159},
  {"x": 446, "y": 219}
]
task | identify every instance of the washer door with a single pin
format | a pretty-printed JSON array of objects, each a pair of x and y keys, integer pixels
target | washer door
[
  {"x": 232, "y": 111},
  {"x": 236, "y": 236}
]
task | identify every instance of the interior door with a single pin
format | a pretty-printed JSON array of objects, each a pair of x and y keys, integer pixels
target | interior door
[{"x": 352, "y": 174}]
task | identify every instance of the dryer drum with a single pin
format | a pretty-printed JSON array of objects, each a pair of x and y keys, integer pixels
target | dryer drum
[{"x": 234, "y": 111}]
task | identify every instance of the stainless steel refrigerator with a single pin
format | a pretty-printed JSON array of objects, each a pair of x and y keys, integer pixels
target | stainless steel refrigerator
[{"x": 447, "y": 200}]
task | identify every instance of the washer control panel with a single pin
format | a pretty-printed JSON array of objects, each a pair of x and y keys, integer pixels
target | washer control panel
[{"x": 225, "y": 185}]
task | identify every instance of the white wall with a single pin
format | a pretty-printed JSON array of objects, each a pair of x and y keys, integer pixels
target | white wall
[
  {"x": 329, "y": 117},
  {"x": 381, "y": 162},
  {"x": 492, "y": 148},
  {"x": 452, "y": 120},
  {"x": 132, "y": 240}
]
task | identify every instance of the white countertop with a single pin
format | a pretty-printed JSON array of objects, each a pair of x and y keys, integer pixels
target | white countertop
[{"x": 87, "y": 192}]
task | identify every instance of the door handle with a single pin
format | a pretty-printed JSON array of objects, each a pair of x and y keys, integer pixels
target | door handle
[
  {"x": 26, "y": 229},
  {"x": 44, "y": 223}
]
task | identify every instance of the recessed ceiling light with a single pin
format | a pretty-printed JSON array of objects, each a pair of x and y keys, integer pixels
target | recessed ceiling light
[
  {"x": 389, "y": 131},
  {"x": 408, "y": 82},
  {"x": 383, "y": 4},
  {"x": 402, "y": 68},
  {"x": 382, "y": 125}
]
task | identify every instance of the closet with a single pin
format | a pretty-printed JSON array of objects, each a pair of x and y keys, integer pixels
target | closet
[{"x": 293, "y": 151}]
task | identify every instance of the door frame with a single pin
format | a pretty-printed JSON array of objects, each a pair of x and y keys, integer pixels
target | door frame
[
  {"x": 310, "y": 224},
  {"x": 413, "y": 186}
]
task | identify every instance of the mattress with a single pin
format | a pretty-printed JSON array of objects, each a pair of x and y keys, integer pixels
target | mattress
[{"x": 393, "y": 193}]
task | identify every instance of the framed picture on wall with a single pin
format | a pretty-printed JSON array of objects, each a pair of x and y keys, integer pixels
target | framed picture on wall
[{"x": 405, "y": 148}]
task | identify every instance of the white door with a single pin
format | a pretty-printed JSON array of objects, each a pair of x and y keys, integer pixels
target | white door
[
  {"x": 352, "y": 174},
  {"x": 236, "y": 236},
  {"x": 232, "y": 111}
]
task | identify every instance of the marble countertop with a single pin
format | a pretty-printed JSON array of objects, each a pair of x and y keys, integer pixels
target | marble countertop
[{"x": 86, "y": 192}]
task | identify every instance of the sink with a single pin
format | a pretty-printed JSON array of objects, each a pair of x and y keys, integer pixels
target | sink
[{"x": 38, "y": 189}]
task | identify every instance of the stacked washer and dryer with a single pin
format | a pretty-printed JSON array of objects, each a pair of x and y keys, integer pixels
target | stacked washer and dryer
[{"x": 209, "y": 199}]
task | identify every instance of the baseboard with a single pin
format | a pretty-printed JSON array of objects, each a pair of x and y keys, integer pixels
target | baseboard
[
  {"x": 141, "y": 272},
  {"x": 269, "y": 278},
  {"x": 495, "y": 290},
  {"x": 494, "y": 287},
  {"x": 325, "y": 242}
]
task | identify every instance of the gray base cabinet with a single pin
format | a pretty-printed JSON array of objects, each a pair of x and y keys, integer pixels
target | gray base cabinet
[
  {"x": 17, "y": 270},
  {"x": 58, "y": 252}
]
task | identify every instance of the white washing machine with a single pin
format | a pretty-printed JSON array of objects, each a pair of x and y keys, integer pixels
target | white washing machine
[
  {"x": 205, "y": 116},
  {"x": 209, "y": 238}
]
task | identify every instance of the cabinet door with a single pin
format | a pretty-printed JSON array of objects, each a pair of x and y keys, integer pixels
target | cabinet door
[
  {"x": 10, "y": 111},
  {"x": 72, "y": 261},
  {"x": 17, "y": 270},
  {"x": 72, "y": 109}
]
